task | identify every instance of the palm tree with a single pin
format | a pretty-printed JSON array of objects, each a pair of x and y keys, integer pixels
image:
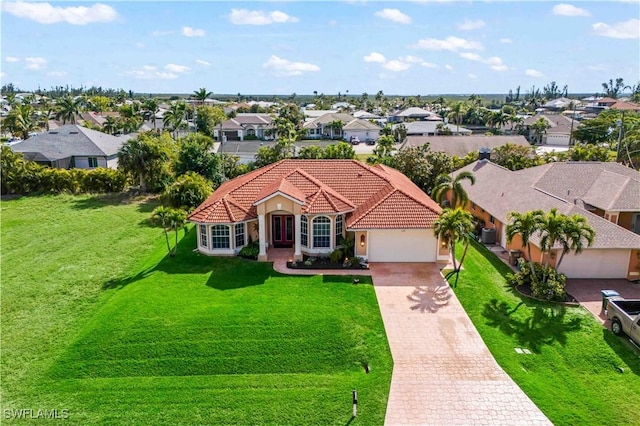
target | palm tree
[
  {"x": 446, "y": 183},
  {"x": 174, "y": 117},
  {"x": 170, "y": 220},
  {"x": 576, "y": 232},
  {"x": 111, "y": 125},
  {"x": 68, "y": 108},
  {"x": 336, "y": 128},
  {"x": 133, "y": 157},
  {"x": 21, "y": 120},
  {"x": 526, "y": 225},
  {"x": 454, "y": 226},
  {"x": 552, "y": 232},
  {"x": 458, "y": 110},
  {"x": 202, "y": 95},
  {"x": 150, "y": 110}
]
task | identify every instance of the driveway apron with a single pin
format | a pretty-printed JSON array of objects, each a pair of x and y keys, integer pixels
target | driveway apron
[{"x": 443, "y": 373}]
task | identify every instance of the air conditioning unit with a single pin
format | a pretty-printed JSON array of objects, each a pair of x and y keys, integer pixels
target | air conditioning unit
[{"x": 488, "y": 236}]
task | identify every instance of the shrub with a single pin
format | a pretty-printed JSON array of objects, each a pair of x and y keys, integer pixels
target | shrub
[
  {"x": 549, "y": 284},
  {"x": 100, "y": 180},
  {"x": 355, "y": 260},
  {"x": 250, "y": 251},
  {"x": 336, "y": 256},
  {"x": 188, "y": 191}
]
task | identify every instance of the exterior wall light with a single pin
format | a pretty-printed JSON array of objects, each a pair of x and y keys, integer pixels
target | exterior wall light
[{"x": 362, "y": 240}]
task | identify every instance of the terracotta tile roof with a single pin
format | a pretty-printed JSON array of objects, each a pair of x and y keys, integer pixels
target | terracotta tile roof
[
  {"x": 629, "y": 106},
  {"x": 371, "y": 197}
]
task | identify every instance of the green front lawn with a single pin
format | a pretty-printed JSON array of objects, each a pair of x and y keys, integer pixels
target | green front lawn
[
  {"x": 98, "y": 320},
  {"x": 578, "y": 373}
]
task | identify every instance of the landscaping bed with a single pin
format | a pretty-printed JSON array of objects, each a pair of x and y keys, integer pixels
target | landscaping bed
[{"x": 326, "y": 263}]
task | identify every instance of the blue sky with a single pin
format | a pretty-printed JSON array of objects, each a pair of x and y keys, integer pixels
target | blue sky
[{"x": 280, "y": 47}]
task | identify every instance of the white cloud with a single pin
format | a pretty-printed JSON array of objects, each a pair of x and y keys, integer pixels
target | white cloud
[
  {"x": 533, "y": 73},
  {"x": 333, "y": 23},
  {"x": 58, "y": 73},
  {"x": 283, "y": 67},
  {"x": 597, "y": 67},
  {"x": 450, "y": 43},
  {"x": 173, "y": 68},
  {"x": 494, "y": 61},
  {"x": 259, "y": 17},
  {"x": 468, "y": 25},
  {"x": 472, "y": 76},
  {"x": 36, "y": 63},
  {"x": 449, "y": 67},
  {"x": 624, "y": 30},
  {"x": 3, "y": 74},
  {"x": 375, "y": 57},
  {"x": 12, "y": 59},
  {"x": 45, "y": 13},
  {"x": 564, "y": 9},
  {"x": 506, "y": 41},
  {"x": 429, "y": 65},
  {"x": 192, "y": 32},
  {"x": 160, "y": 33},
  {"x": 395, "y": 65},
  {"x": 203, "y": 63},
  {"x": 150, "y": 72},
  {"x": 140, "y": 45},
  {"x": 394, "y": 15},
  {"x": 411, "y": 59}
]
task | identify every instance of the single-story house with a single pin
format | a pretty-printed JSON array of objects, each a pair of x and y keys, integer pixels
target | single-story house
[
  {"x": 414, "y": 113},
  {"x": 245, "y": 124},
  {"x": 309, "y": 205},
  {"x": 460, "y": 146},
  {"x": 433, "y": 128},
  {"x": 319, "y": 127},
  {"x": 72, "y": 146},
  {"x": 559, "y": 131},
  {"x": 606, "y": 194}
]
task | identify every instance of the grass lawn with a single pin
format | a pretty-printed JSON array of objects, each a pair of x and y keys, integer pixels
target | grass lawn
[
  {"x": 573, "y": 373},
  {"x": 96, "y": 319}
]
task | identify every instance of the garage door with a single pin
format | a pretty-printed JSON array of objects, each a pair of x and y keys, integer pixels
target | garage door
[
  {"x": 596, "y": 264},
  {"x": 402, "y": 245}
]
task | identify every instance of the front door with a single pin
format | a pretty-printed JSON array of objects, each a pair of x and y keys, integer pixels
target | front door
[{"x": 282, "y": 232}]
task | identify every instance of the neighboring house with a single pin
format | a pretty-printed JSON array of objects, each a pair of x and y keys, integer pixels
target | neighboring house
[
  {"x": 315, "y": 113},
  {"x": 254, "y": 125},
  {"x": 72, "y": 146},
  {"x": 319, "y": 128},
  {"x": 414, "y": 113},
  {"x": 606, "y": 194},
  {"x": 366, "y": 115},
  {"x": 433, "y": 128},
  {"x": 309, "y": 205},
  {"x": 460, "y": 146},
  {"x": 559, "y": 131},
  {"x": 626, "y": 106},
  {"x": 559, "y": 104}
]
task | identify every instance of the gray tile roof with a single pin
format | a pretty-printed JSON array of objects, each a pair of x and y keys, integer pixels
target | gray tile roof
[
  {"x": 70, "y": 140},
  {"x": 462, "y": 145},
  {"x": 500, "y": 191}
]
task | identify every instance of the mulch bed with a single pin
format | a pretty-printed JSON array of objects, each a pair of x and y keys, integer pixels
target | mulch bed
[
  {"x": 321, "y": 263},
  {"x": 525, "y": 290}
]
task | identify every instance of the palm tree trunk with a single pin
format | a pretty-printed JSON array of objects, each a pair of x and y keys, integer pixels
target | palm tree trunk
[
  {"x": 166, "y": 235},
  {"x": 533, "y": 270},
  {"x": 452, "y": 249},
  {"x": 175, "y": 247},
  {"x": 464, "y": 253}
]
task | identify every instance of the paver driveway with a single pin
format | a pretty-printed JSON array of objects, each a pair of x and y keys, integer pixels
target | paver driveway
[{"x": 443, "y": 373}]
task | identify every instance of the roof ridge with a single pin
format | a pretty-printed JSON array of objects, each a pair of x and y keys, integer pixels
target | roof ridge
[
  {"x": 374, "y": 205},
  {"x": 329, "y": 198},
  {"x": 322, "y": 185},
  {"x": 623, "y": 186},
  {"x": 225, "y": 203}
]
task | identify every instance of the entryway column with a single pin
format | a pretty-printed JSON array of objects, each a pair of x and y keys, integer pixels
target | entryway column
[
  {"x": 297, "y": 254},
  {"x": 262, "y": 237}
]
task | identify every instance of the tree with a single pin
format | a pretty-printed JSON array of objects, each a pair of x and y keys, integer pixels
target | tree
[
  {"x": 539, "y": 128},
  {"x": 422, "y": 165},
  {"x": 311, "y": 152},
  {"x": 170, "y": 220},
  {"x": 458, "y": 110},
  {"x": 614, "y": 89},
  {"x": 601, "y": 129},
  {"x": 336, "y": 128},
  {"x": 195, "y": 155},
  {"x": 174, "y": 118},
  {"x": 202, "y": 95},
  {"x": 21, "y": 120},
  {"x": 575, "y": 234},
  {"x": 384, "y": 148},
  {"x": 208, "y": 117},
  {"x": 584, "y": 152},
  {"x": 526, "y": 225},
  {"x": 99, "y": 104},
  {"x": 188, "y": 191},
  {"x": 150, "y": 109},
  {"x": 111, "y": 125},
  {"x": 454, "y": 226},
  {"x": 341, "y": 150},
  {"x": 400, "y": 132},
  {"x": 446, "y": 184},
  {"x": 514, "y": 157},
  {"x": 68, "y": 108},
  {"x": 148, "y": 159}
]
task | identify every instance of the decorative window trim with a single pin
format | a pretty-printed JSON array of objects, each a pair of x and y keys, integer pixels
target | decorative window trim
[{"x": 220, "y": 240}]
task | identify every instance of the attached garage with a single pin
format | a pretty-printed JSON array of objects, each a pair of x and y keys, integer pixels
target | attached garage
[
  {"x": 402, "y": 245},
  {"x": 596, "y": 264},
  {"x": 557, "y": 139}
]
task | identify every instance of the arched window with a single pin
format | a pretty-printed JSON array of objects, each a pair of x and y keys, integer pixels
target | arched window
[
  {"x": 339, "y": 228},
  {"x": 321, "y": 232},
  {"x": 304, "y": 231},
  {"x": 220, "y": 237}
]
